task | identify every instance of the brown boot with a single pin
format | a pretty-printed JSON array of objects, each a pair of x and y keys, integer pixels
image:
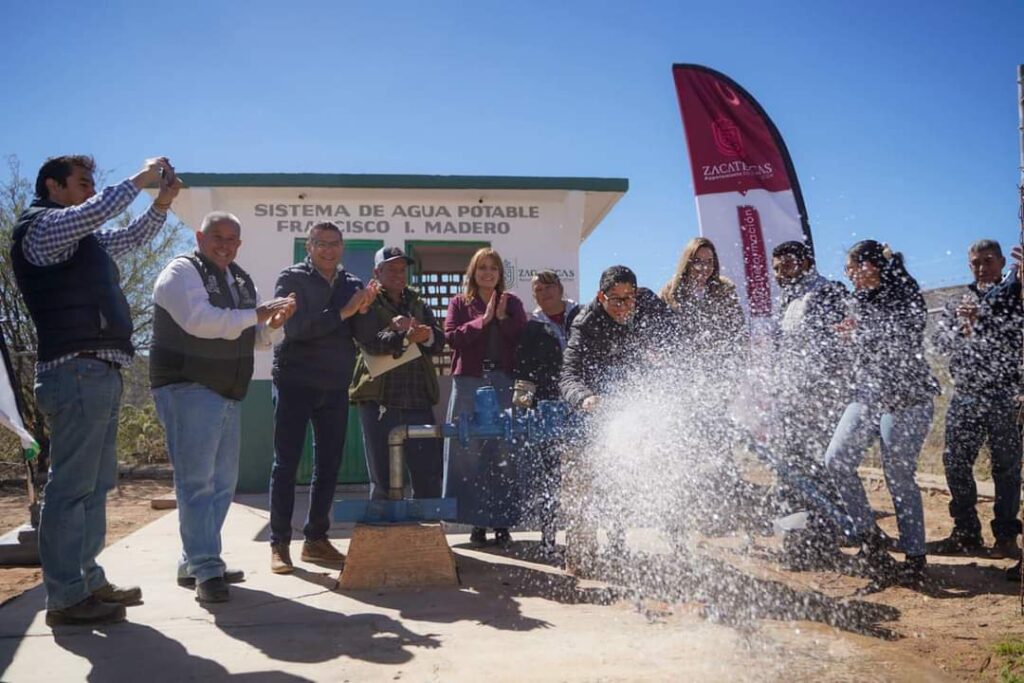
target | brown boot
[
  {"x": 321, "y": 551},
  {"x": 281, "y": 559},
  {"x": 92, "y": 610}
]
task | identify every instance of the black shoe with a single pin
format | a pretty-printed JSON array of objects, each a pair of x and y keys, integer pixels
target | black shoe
[
  {"x": 502, "y": 538},
  {"x": 230, "y": 576},
  {"x": 958, "y": 543},
  {"x": 1013, "y": 573},
  {"x": 213, "y": 590},
  {"x": 92, "y": 610},
  {"x": 122, "y": 595},
  {"x": 873, "y": 558},
  {"x": 810, "y": 550},
  {"x": 478, "y": 536},
  {"x": 911, "y": 571},
  {"x": 1005, "y": 549}
]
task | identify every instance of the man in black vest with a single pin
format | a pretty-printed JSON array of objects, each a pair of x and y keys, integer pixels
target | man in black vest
[
  {"x": 206, "y": 325},
  {"x": 312, "y": 371},
  {"x": 65, "y": 270}
]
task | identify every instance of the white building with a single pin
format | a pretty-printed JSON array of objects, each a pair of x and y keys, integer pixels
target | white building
[{"x": 534, "y": 223}]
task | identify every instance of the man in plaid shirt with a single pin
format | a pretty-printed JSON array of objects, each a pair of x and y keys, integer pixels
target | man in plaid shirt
[
  {"x": 398, "y": 318},
  {"x": 63, "y": 262}
]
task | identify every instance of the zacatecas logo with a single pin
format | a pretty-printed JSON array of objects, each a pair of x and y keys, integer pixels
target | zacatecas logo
[
  {"x": 514, "y": 274},
  {"x": 727, "y": 137}
]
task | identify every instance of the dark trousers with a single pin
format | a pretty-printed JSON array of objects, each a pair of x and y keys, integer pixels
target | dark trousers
[
  {"x": 971, "y": 420},
  {"x": 294, "y": 408},
  {"x": 423, "y": 457},
  {"x": 541, "y": 471}
]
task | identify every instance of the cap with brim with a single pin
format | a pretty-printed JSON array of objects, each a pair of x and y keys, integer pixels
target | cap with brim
[{"x": 385, "y": 254}]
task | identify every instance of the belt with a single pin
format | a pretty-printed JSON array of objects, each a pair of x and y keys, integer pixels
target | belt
[{"x": 92, "y": 355}]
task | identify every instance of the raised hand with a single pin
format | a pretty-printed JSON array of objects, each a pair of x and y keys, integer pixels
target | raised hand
[
  {"x": 151, "y": 172},
  {"x": 170, "y": 185}
]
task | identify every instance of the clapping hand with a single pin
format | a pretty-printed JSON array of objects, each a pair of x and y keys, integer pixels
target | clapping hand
[
  {"x": 282, "y": 314},
  {"x": 417, "y": 334},
  {"x": 501, "y": 312},
  {"x": 492, "y": 305},
  {"x": 361, "y": 301},
  {"x": 267, "y": 310}
]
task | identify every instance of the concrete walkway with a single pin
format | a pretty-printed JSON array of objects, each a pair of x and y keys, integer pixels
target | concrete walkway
[{"x": 511, "y": 620}]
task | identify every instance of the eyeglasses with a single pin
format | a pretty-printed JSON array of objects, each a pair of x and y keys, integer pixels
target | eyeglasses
[
  {"x": 621, "y": 301},
  {"x": 702, "y": 261},
  {"x": 320, "y": 244}
]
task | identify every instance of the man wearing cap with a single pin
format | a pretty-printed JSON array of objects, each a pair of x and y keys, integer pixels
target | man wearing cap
[
  {"x": 312, "y": 372},
  {"x": 405, "y": 394}
]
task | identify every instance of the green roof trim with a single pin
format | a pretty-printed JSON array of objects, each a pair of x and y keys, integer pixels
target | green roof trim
[{"x": 409, "y": 182}]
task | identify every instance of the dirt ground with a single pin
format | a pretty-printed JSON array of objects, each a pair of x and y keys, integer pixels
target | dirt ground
[
  {"x": 955, "y": 621},
  {"x": 128, "y": 508}
]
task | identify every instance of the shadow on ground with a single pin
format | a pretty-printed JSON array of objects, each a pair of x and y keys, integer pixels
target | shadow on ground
[
  {"x": 165, "y": 659},
  {"x": 287, "y": 630},
  {"x": 16, "y": 615},
  {"x": 487, "y": 596}
]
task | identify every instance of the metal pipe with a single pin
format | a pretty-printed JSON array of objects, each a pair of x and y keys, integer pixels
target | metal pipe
[{"x": 396, "y": 453}]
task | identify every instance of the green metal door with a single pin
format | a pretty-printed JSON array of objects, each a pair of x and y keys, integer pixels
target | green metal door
[{"x": 358, "y": 260}]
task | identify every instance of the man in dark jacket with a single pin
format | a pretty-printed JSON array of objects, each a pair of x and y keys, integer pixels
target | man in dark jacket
[
  {"x": 604, "y": 345},
  {"x": 312, "y": 372},
  {"x": 982, "y": 336},
  {"x": 406, "y": 393},
  {"x": 608, "y": 341},
  {"x": 536, "y": 375}
]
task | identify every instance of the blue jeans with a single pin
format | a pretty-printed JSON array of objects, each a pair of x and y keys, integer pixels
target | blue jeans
[
  {"x": 971, "y": 420},
  {"x": 294, "y": 408},
  {"x": 481, "y": 476},
  {"x": 902, "y": 433},
  {"x": 203, "y": 439},
  {"x": 80, "y": 399},
  {"x": 423, "y": 459}
]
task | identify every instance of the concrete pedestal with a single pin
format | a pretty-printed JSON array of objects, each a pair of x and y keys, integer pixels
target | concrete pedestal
[{"x": 404, "y": 555}]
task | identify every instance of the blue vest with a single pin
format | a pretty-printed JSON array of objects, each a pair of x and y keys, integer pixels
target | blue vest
[
  {"x": 76, "y": 305},
  {"x": 222, "y": 365}
]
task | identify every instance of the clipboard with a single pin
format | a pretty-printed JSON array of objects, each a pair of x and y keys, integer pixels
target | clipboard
[{"x": 379, "y": 365}]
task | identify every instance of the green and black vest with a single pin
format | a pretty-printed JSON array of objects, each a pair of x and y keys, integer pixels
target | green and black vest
[{"x": 223, "y": 365}]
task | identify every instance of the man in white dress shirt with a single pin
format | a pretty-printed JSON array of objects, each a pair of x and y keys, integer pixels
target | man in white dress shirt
[{"x": 206, "y": 325}]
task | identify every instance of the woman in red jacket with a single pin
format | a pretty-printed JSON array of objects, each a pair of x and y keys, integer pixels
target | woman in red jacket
[{"x": 482, "y": 328}]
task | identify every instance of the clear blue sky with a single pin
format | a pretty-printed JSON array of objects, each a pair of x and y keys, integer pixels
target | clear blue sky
[{"x": 901, "y": 117}]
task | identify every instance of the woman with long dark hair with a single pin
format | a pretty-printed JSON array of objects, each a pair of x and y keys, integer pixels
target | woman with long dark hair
[
  {"x": 482, "y": 328},
  {"x": 893, "y": 392}
]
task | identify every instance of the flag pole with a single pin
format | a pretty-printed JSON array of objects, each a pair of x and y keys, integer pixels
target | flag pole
[{"x": 1020, "y": 217}]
